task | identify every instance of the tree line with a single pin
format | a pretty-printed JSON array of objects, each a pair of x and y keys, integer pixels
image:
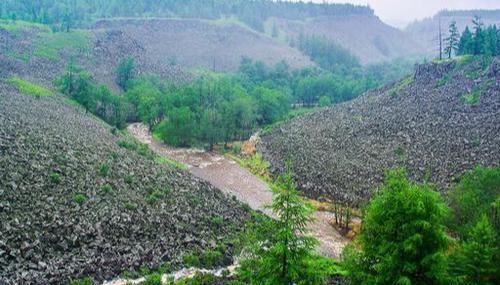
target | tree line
[
  {"x": 213, "y": 108},
  {"x": 410, "y": 235},
  {"x": 69, "y": 13},
  {"x": 481, "y": 40}
]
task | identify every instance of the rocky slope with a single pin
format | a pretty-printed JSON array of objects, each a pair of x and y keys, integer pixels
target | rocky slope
[
  {"x": 73, "y": 203},
  {"x": 217, "y": 45},
  {"x": 438, "y": 123}
]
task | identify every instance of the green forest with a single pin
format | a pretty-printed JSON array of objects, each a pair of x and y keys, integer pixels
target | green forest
[{"x": 63, "y": 14}]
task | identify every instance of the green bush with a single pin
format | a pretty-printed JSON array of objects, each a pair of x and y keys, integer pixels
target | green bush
[
  {"x": 191, "y": 260},
  {"x": 198, "y": 279},
  {"x": 55, "y": 178},
  {"x": 83, "y": 281},
  {"x": 129, "y": 179},
  {"x": 153, "y": 279},
  {"x": 104, "y": 170},
  {"x": 106, "y": 188},
  {"x": 131, "y": 206},
  {"x": 472, "y": 98},
  {"x": 156, "y": 196},
  {"x": 79, "y": 198}
]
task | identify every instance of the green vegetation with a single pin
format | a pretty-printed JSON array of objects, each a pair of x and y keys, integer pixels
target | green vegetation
[
  {"x": 106, "y": 188},
  {"x": 55, "y": 178},
  {"x": 66, "y": 14},
  {"x": 285, "y": 255},
  {"x": 480, "y": 41},
  {"x": 29, "y": 88},
  {"x": 79, "y": 198},
  {"x": 49, "y": 44},
  {"x": 158, "y": 195},
  {"x": 473, "y": 97},
  {"x": 153, "y": 279},
  {"x": 14, "y": 26},
  {"x": 256, "y": 164},
  {"x": 83, "y": 281},
  {"x": 104, "y": 170},
  {"x": 403, "y": 239},
  {"x": 125, "y": 72},
  {"x": 400, "y": 86}
]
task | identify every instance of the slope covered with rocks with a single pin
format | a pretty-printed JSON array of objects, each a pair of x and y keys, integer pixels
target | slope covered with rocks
[
  {"x": 74, "y": 203},
  {"x": 438, "y": 123}
]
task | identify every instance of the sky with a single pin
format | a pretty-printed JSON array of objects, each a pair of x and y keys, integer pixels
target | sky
[{"x": 401, "y": 12}]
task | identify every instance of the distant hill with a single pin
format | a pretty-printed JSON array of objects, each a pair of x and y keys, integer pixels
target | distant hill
[
  {"x": 438, "y": 123},
  {"x": 365, "y": 36},
  {"x": 426, "y": 31},
  {"x": 217, "y": 45}
]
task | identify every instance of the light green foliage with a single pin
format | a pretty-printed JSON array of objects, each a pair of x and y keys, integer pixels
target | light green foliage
[
  {"x": 106, "y": 188},
  {"x": 104, "y": 169},
  {"x": 158, "y": 195},
  {"x": 55, "y": 178},
  {"x": 83, "y": 281},
  {"x": 198, "y": 279},
  {"x": 402, "y": 240},
  {"x": 325, "y": 101},
  {"x": 284, "y": 255},
  {"x": 473, "y": 97},
  {"x": 125, "y": 72},
  {"x": 153, "y": 279},
  {"x": 29, "y": 88},
  {"x": 49, "y": 44},
  {"x": 477, "y": 194},
  {"x": 15, "y": 26},
  {"x": 400, "y": 86},
  {"x": 257, "y": 165},
  {"x": 79, "y": 198},
  {"x": 476, "y": 261}
]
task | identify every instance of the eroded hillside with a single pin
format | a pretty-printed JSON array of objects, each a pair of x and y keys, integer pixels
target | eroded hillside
[
  {"x": 438, "y": 123},
  {"x": 75, "y": 201}
]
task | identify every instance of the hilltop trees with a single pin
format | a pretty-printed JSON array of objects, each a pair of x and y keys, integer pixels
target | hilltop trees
[
  {"x": 402, "y": 240},
  {"x": 482, "y": 41},
  {"x": 452, "y": 40}
]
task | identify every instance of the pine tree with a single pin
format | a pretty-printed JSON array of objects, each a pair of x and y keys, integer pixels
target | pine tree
[
  {"x": 476, "y": 261},
  {"x": 452, "y": 40},
  {"x": 478, "y": 38},
  {"x": 465, "y": 43},
  {"x": 402, "y": 240}
]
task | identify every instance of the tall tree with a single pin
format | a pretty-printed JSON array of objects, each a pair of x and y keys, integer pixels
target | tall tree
[
  {"x": 287, "y": 256},
  {"x": 478, "y": 38},
  {"x": 125, "y": 72},
  {"x": 465, "y": 45},
  {"x": 402, "y": 239},
  {"x": 452, "y": 40},
  {"x": 476, "y": 260}
]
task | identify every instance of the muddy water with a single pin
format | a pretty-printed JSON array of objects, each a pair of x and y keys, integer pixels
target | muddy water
[{"x": 235, "y": 180}]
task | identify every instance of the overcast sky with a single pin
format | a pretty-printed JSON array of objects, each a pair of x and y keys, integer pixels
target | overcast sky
[{"x": 400, "y": 12}]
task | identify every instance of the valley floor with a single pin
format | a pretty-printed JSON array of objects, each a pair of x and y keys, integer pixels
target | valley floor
[{"x": 235, "y": 180}]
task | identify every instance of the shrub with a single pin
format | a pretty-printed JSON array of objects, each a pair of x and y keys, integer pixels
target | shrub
[
  {"x": 156, "y": 196},
  {"x": 153, "y": 279},
  {"x": 55, "y": 178},
  {"x": 83, "y": 281},
  {"x": 104, "y": 170},
  {"x": 191, "y": 260},
  {"x": 131, "y": 206},
  {"x": 129, "y": 179},
  {"x": 79, "y": 199},
  {"x": 472, "y": 98},
  {"x": 106, "y": 188}
]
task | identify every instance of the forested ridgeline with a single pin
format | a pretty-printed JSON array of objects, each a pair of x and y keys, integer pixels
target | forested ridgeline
[{"x": 69, "y": 13}]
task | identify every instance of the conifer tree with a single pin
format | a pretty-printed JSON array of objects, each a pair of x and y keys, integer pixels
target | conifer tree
[{"x": 452, "y": 40}]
